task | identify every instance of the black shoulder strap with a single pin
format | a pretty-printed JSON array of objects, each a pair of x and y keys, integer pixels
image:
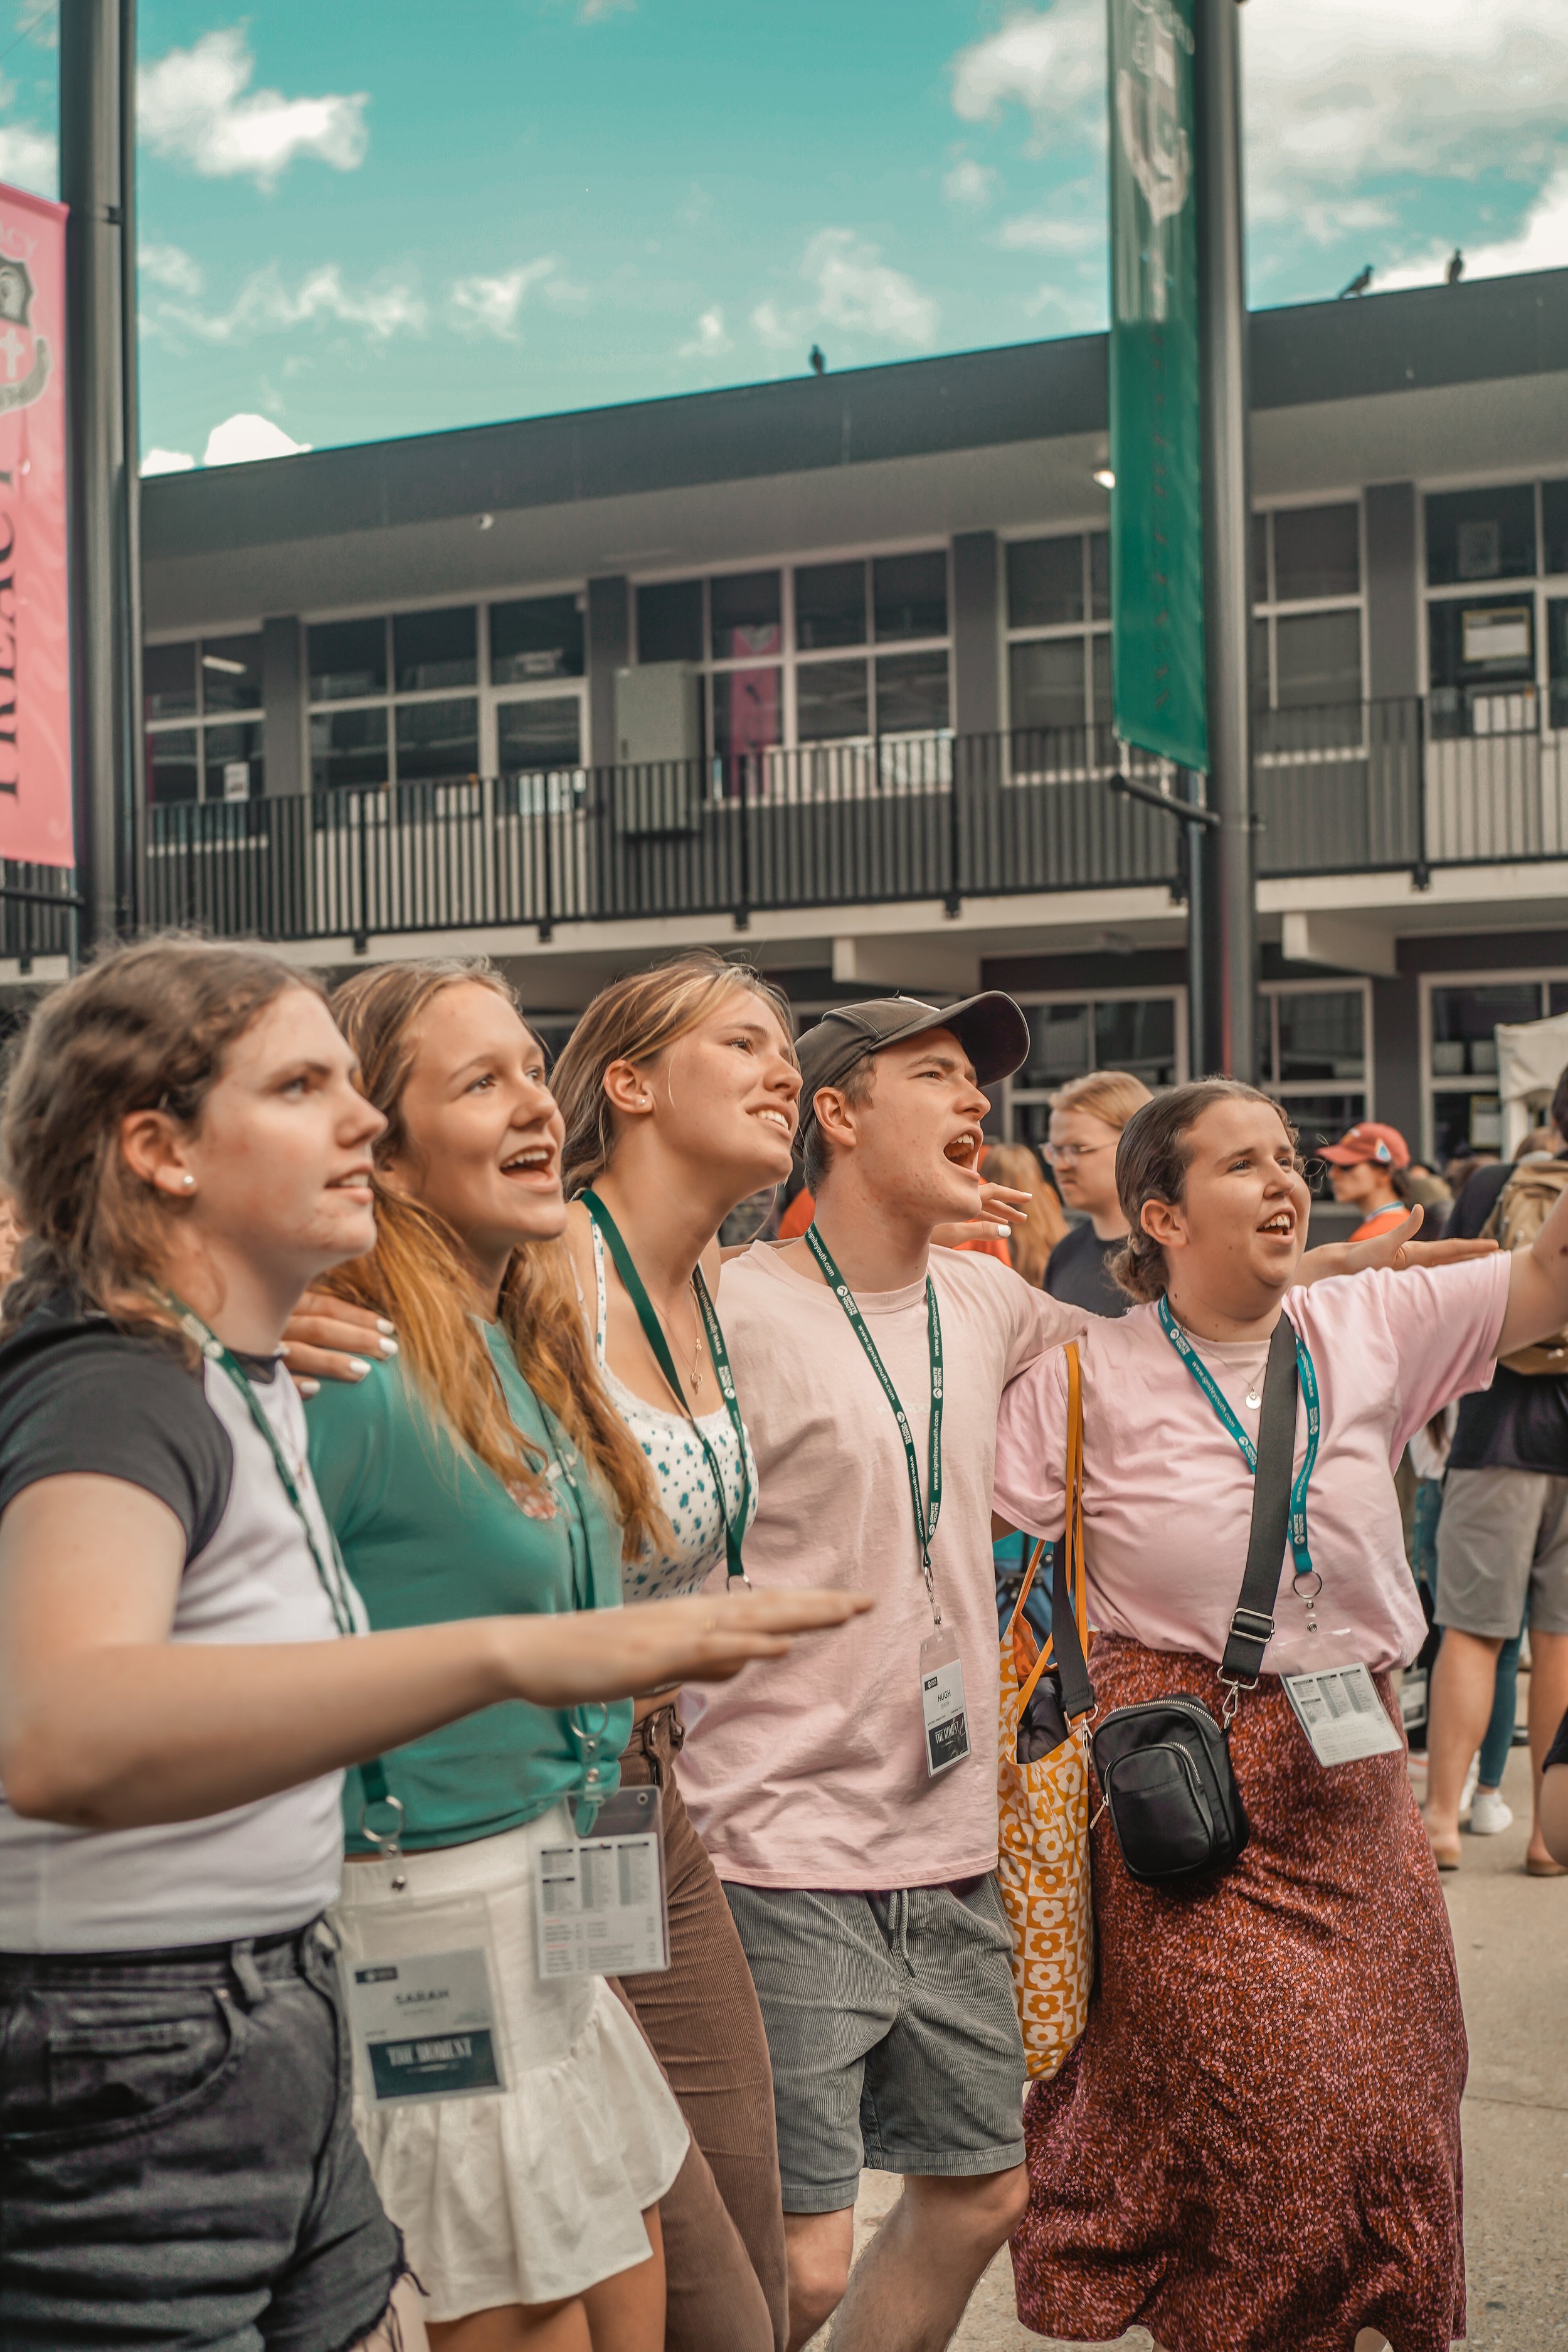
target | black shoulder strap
[
  {"x": 1252, "y": 1627},
  {"x": 1067, "y": 1650}
]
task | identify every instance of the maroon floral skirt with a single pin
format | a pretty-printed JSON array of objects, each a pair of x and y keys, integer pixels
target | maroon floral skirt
[{"x": 1257, "y": 2142}]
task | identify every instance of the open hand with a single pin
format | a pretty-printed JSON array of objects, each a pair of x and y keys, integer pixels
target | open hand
[
  {"x": 1397, "y": 1249},
  {"x": 1001, "y": 1208},
  {"x": 708, "y": 1637},
  {"x": 329, "y": 1338}
]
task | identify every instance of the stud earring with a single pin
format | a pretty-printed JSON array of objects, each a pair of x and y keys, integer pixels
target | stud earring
[{"x": 188, "y": 1180}]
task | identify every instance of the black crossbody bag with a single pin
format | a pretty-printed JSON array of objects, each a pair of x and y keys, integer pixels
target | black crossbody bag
[{"x": 1165, "y": 1766}]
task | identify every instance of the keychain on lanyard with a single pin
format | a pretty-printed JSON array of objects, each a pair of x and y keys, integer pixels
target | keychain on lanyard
[
  {"x": 653, "y": 1331},
  {"x": 943, "y": 1714},
  {"x": 1306, "y": 1583}
]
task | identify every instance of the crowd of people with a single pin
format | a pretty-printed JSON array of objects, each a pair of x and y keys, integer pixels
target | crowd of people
[{"x": 500, "y": 1694}]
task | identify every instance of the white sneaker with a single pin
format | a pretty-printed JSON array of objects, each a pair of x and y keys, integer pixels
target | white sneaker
[
  {"x": 1471, "y": 1777},
  {"x": 1489, "y": 1814}
]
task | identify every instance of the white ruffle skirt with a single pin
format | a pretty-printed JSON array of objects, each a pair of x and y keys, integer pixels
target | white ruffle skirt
[{"x": 532, "y": 2194}]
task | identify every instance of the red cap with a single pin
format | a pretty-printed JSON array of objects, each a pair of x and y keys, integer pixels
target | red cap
[{"x": 1367, "y": 1141}]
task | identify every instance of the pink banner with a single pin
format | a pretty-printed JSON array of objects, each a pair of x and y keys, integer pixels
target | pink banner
[{"x": 34, "y": 620}]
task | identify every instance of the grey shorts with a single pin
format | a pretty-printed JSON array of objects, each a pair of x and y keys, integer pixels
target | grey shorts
[
  {"x": 178, "y": 2165},
  {"x": 892, "y": 2031},
  {"x": 1502, "y": 1552}
]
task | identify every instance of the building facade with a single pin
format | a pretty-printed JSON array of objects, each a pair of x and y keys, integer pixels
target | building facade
[{"x": 819, "y": 671}]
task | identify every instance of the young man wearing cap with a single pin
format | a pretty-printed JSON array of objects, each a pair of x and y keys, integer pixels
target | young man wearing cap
[
  {"x": 851, "y": 1810},
  {"x": 1362, "y": 1167}
]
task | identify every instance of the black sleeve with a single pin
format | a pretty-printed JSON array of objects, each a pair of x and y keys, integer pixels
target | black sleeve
[
  {"x": 87, "y": 1398},
  {"x": 1558, "y": 1752},
  {"x": 1476, "y": 1203}
]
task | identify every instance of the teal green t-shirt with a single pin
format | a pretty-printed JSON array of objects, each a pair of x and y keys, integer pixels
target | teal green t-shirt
[{"x": 429, "y": 1535}]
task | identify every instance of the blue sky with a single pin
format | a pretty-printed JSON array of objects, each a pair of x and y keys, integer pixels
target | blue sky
[{"x": 362, "y": 218}]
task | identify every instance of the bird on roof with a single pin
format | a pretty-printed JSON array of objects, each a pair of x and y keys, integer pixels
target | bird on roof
[
  {"x": 818, "y": 364},
  {"x": 1456, "y": 269},
  {"x": 1358, "y": 284}
]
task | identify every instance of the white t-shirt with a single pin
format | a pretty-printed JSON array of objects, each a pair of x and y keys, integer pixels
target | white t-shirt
[
  {"x": 78, "y": 1396},
  {"x": 810, "y": 1771}
]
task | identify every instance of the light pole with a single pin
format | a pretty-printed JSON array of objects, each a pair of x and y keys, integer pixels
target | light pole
[
  {"x": 1227, "y": 925},
  {"x": 98, "y": 175}
]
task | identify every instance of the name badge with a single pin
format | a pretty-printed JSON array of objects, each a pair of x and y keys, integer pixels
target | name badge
[
  {"x": 1342, "y": 1714},
  {"x": 943, "y": 1710},
  {"x": 600, "y": 1907},
  {"x": 426, "y": 2025}
]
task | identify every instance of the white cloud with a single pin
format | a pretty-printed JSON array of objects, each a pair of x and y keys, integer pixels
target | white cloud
[
  {"x": 266, "y": 305},
  {"x": 28, "y": 158},
  {"x": 1326, "y": 223},
  {"x": 857, "y": 290},
  {"x": 1541, "y": 243},
  {"x": 196, "y": 105},
  {"x": 1048, "y": 233},
  {"x": 167, "y": 461},
  {"x": 969, "y": 183},
  {"x": 773, "y": 328},
  {"x": 711, "y": 337},
  {"x": 168, "y": 265},
  {"x": 489, "y": 306},
  {"x": 1051, "y": 63},
  {"x": 240, "y": 439}
]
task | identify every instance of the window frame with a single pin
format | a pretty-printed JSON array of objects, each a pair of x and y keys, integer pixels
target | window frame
[
  {"x": 199, "y": 720},
  {"x": 1084, "y": 632},
  {"x": 1009, "y": 1094},
  {"x": 1539, "y": 589},
  {"x": 1541, "y": 976},
  {"x": 1301, "y": 1089},
  {"x": 1271, "y": 609}
]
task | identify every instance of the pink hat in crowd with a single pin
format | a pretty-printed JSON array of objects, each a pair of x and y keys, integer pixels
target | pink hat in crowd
[{"x": 1367, "y": 1141}]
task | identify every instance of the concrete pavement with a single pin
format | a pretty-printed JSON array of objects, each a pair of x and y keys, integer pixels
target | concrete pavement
[{"x": 1511, "y": 1933}]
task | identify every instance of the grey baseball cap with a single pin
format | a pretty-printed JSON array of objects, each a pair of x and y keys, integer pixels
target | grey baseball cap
[{"x": 990, "y": 1027}]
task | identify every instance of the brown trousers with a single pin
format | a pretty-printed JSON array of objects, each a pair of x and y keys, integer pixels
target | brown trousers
[{"x": 728, "y": 2282}]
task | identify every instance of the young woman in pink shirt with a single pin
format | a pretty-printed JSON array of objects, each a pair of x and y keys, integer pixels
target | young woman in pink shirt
[{"x": 1257, "y": 2141}]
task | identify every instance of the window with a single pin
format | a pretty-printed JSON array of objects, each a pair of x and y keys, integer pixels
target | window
[
  {"x": 409, "y": 697},
  {"x": 1314, "y": 1053},
  {"x": 537, "y": 638},
  {"x": 1069, "y": 1035},
  {"x": 1480, "y": 535},
  {"x": 1554, "y": 526},
  {"x": 808, "y": 658},
  {"x": 1460, "y": 1076},
  {"x": 196, "y": 681},
  {"x": 1481, "y": 664},
  {"x": 1307, "y": 627},
  {"x": 1059, "y": 637}
]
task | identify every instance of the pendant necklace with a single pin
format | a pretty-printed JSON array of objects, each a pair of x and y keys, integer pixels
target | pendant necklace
[{"x": 696, "y": 1373}]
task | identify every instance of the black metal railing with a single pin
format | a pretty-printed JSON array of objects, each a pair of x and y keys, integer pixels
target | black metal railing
[
  {"x": 1344, "y": 787},
  {"x": 37, "y": 912}
]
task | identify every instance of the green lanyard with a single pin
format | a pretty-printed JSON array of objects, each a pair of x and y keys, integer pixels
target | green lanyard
[
  {"x": 925, "y": 1518},
  {"x": 653, "y": 1331},
  {"x": 1210, "y": 1387}
]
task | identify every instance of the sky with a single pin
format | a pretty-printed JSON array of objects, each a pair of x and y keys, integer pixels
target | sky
[{"x": 367, "y": 217}]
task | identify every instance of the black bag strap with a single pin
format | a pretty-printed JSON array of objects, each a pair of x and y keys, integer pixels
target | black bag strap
[
  {"x": 1066, "y": 1649},
  {"x": 1252, "y": 1627}
]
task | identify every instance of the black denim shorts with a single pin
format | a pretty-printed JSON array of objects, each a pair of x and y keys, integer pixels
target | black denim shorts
[{"x": 178, "y": 2165}]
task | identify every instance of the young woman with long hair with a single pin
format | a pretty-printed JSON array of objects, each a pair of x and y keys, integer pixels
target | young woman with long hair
[
  {"x": 1031, "y": 1241},
  {"x": 1197, "y": 2164},
  {"x": 678, "y": 1088},
  {"x": 1088, "y": 1116},
  {"x": 188, "y": 1150}
]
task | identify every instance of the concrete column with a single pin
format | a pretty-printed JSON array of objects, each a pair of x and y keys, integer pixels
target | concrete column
[
  {"x": 609, "y": 646},
  {"x": 283, "y": 699},
  {"x": 976, "y": 634},
  {"x": 1393, "y": 591}
]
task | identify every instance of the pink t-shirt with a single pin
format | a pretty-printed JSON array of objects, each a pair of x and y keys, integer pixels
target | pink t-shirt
[
  {"x": 1167, "y": 1496},
  {"x": 810, "y": 1770}
]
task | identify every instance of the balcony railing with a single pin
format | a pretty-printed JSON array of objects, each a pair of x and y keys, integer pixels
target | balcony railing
[{"x": 1339, "y": 788}]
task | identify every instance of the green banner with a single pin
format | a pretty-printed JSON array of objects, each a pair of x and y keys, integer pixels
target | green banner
[{"x": 1156, "y": 506}]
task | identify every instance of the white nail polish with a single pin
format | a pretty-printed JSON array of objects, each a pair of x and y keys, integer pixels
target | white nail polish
[
  {"x": 308, "y": 1388},
  {"x": 358, "y": 1367},
  {"x": 385, "y": 1327},
  {"x": 388, "y": 1348}
]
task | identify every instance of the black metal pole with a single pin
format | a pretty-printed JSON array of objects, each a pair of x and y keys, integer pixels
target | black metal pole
[
  {"x": 97, "y": 170},
  {"x": 1229, "y": 928}
]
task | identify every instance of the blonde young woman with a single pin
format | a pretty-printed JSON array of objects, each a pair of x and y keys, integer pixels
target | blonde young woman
[
  {"x": 1032, "y": 1239},
  {"x": 483, "y": 1468},
  {"x": 680, "y": 1088},
  {"x": 1088, "y": 1116},
  {"x": 177, "y": 2162}
]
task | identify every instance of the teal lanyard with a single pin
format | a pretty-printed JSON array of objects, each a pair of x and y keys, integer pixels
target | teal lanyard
[
  {"x": 1206, "y": 1380},
  {"x": 653, "y": 1331},
  {"x": 927, "y": 1514}
]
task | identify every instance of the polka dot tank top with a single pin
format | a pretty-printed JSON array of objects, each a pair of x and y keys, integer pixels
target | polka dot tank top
[{"x": 681, "y": 1472}]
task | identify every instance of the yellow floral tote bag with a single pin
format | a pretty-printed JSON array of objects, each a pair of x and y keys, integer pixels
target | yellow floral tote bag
[{"x": 1043, "y": 1865}]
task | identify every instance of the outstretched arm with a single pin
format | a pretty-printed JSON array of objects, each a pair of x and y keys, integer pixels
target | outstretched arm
[{"x": 105, "y": 1723}]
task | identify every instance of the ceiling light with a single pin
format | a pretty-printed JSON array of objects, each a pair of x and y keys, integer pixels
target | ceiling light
[
  {"x": 1105, "y": 478},
  {"x": 229, "y": 668}
]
